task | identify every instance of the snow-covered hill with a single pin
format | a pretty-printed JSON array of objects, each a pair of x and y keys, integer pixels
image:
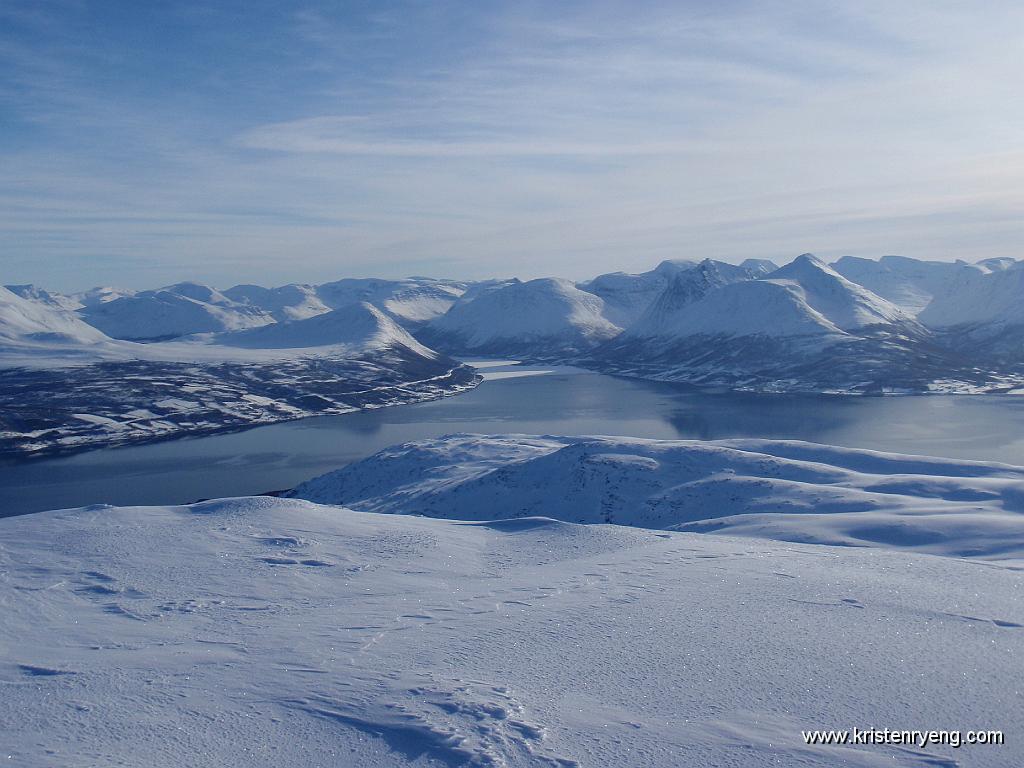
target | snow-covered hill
[
  {"x": 288, "y": 302},
  {"x": 411, "y": 302},
  {"x": 626, "y": 297},
  {"x": 805, "y": 297},
  {"x": 171, "y": 312},
  {"x": 541, "y": 318},
  {"x": 908, "y": 283},
  {"x": 100, "y": 295},
  {"x": 41, "y": 295},
  {"x": 34, "y": 321},
  {"x": 270, "y": 632},
  {"x": 786, "y": 490},
  {"x": 666, "y": 315},
  {"x": 361, "y": 327},
  {"x": 982, "y": 315},
  {"x": 995, "y": 298}
]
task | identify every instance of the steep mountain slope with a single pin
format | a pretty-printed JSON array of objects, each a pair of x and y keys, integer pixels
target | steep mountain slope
[
  {"x": 983, "y": 316},
  {"x": 49, "y": 298},
  {"x": 682, "y": 289},
  {"x": 287, "y": 302},
  {"x": 786, "y": 490},
  {"x": 171, "y": 312},
  {"x": 538, "y": 319},
  {"x": 846, "y": 304},
  {"x": 626, "y": 297},
  {"x": 994, "y": 298},
  {"x": 357, "y": 326},
  {"x": 26, "y": 322},
  {"x": 908, "y": 283},
  {"x": 760, "y": 267},
  {"x": 804, "y": 327}
]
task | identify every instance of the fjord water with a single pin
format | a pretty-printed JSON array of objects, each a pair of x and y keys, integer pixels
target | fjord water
[{"x": 278, "y": 456}]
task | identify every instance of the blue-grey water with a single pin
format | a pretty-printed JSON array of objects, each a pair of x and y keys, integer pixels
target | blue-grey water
[{"x": 281, "y": 455}]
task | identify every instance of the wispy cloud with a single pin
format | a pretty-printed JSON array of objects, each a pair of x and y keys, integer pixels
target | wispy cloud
[{"x": 261, "y": 143}]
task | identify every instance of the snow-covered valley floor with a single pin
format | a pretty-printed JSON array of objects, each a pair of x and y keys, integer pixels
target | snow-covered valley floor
[{"x": 265, "y": 631}]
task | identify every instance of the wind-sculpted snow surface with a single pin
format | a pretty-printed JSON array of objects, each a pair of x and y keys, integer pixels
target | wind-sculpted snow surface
[
  {"x": 792, "y": 491},
  {"x": 271, "y": 632}
]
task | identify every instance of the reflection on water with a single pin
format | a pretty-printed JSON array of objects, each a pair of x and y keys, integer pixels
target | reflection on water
[{"x": 281, "y": 455}]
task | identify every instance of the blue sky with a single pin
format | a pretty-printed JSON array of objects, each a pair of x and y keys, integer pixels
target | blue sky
[{"x": 145, "y": 143}]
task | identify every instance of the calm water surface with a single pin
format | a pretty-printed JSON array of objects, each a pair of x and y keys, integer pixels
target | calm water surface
[{"x": 282, "y": 455}]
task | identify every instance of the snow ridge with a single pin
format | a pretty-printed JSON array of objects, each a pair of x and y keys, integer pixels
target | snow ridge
[{"x": 788, "y": 490}]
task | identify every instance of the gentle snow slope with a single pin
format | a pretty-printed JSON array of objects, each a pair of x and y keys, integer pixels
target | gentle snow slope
[
  {"x": 268, "y": 632},
  {"x": 785, "y": 490}
]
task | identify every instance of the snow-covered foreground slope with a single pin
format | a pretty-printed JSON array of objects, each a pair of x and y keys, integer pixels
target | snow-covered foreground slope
[
  {"x": 272, "y": 632},
  {"x": 786, "y": 490}
]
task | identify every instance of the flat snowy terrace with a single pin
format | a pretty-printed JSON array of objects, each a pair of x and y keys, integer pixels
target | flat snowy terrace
[{"x": 273, "y": 632}]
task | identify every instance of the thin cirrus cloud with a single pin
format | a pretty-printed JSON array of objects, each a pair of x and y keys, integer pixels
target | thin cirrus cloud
[
  {"x": 266, "y": 144},
  {"x": 334, "y": 135}
]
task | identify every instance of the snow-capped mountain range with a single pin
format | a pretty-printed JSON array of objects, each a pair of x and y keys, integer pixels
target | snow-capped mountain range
[
  {"x": 247, "y": 370},
  {"x": 858, "y": 325}
]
